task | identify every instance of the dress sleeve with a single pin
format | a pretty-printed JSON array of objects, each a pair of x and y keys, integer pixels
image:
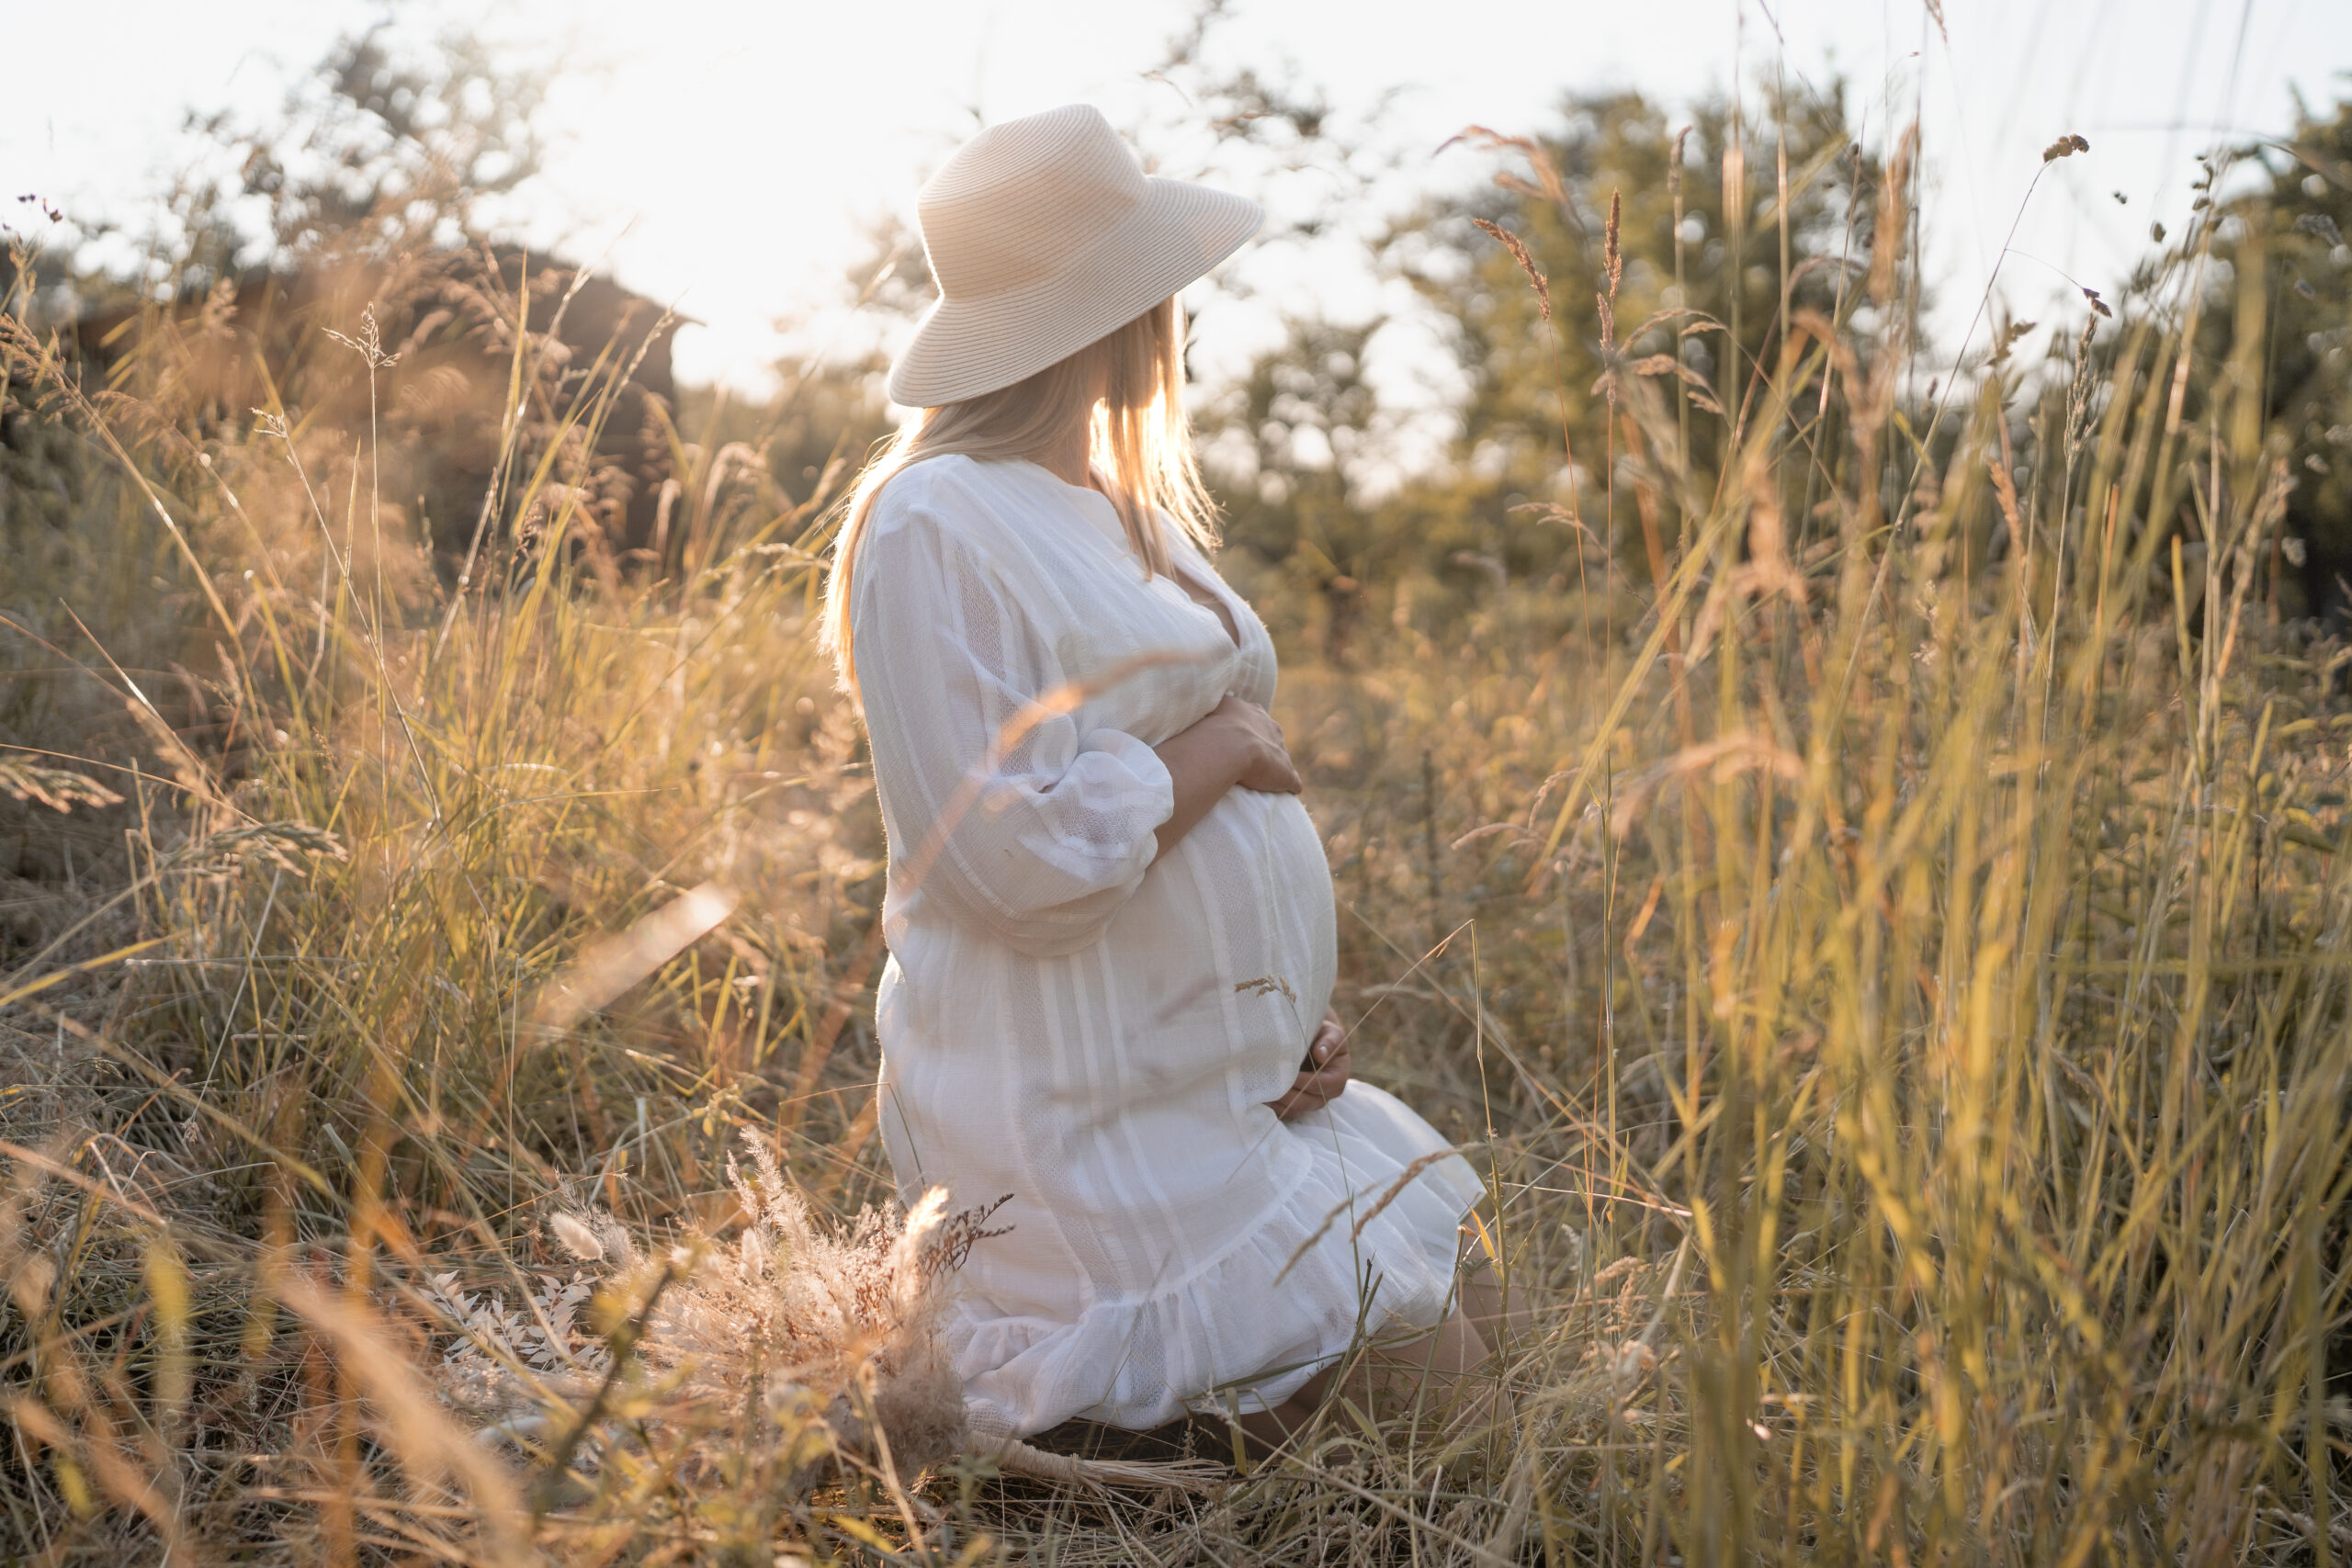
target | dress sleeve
[{"x": 1016, "y": 822}]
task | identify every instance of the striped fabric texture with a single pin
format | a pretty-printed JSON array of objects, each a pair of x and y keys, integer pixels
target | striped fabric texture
[
  {"x": 1044, "y": 234},
  {"x": 1095, "y": 1030}
]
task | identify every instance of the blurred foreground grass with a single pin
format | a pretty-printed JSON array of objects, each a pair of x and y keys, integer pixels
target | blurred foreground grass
[{"x": 1891, "y": 958}]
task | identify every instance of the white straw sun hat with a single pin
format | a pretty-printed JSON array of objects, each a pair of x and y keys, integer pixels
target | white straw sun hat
[{"x": 1046, "y": 234}]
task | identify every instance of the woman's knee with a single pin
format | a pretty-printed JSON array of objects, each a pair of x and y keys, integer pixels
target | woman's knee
[
  {"x": 1447, "y": 1368},
  {"x": 1494, "y": 1301}
]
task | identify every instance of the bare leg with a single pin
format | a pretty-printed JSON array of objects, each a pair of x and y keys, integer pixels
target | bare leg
[
  {"x": 1499, "y": 1314},
  {"x": 1436, "y": 1373}
]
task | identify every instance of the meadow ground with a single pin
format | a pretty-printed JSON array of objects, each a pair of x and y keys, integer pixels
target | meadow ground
[{"x": 1888, "y": 945}]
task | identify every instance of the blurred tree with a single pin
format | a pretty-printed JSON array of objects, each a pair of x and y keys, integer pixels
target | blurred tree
[
  {"x": 1711, "y": 273},
  {"x": 364, "y": 209},
  {"x": 830, "y": 411},
  {"x": 2306, "y": 212},
  {"x": 393, "y": 143},
  {"x": 1284, "y": 438},
  {"x": 2279, "y": 210}
]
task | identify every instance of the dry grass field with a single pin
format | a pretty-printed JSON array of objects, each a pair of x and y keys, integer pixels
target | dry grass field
[{"x": 1883, "y": 927}]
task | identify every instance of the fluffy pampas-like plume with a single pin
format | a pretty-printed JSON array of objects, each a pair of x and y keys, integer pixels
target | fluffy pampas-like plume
[
  {"x": 824, "y": 1331},
  {"x": 797, "y": 1347}
]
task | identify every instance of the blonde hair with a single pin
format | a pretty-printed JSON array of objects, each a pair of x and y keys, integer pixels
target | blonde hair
[{"x": 1141, "y": 446}]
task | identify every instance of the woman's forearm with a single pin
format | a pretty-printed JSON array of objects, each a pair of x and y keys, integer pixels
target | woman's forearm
[{"x": 1204, "y": 763}]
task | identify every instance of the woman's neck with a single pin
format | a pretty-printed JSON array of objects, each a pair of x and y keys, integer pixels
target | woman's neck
[{"x": 1066, "y": 456}]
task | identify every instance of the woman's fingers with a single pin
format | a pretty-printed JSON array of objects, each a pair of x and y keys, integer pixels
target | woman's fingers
[
  {"x": 1311, "y": 1091},
  {"x": 1272, "y": 773},
  {"x": 1333, "y": 1060},
  {"x": 1324, "y": 1084},
  {"x": 1269, "y": 768},
  {"x": 1308, "y": 1091},
  {"x": 1329, "y": 1063},
  {"x": 1324, "y": 1076}
]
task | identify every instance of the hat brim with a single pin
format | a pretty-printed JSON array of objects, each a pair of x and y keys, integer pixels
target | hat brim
[{"x": 966, "y": 348}]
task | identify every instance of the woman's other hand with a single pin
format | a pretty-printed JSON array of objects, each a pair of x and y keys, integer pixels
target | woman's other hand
[{"x": 1324, "y": 1076}]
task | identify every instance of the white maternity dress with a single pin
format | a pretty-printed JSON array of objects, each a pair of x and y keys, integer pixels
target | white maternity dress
[{"x": 1066, "y": 1019}]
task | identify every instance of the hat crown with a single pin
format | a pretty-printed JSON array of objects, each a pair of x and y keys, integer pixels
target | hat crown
[{"x": 1020, "y": 199}]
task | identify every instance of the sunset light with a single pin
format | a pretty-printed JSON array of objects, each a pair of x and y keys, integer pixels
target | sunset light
[{"x": 1353, "y": 784}]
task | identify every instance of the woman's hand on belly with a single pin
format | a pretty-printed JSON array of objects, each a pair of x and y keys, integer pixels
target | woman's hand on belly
[
  {"x": 1237, "y": 745},
  {"x": 1323, "y": 1077}
]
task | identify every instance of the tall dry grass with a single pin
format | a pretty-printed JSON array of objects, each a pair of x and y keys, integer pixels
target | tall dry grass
[{"x": 1894, "y": 973}]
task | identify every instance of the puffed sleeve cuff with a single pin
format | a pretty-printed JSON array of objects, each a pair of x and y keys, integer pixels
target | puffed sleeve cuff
[
  {"x": 1047, "y": 863},
  {"x": 1154, "y": 788}
]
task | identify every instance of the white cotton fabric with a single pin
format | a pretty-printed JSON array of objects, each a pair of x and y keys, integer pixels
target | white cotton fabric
[{"x": 1095, "y": 1031}]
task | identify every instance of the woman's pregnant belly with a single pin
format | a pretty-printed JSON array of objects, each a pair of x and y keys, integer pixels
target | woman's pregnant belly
[
  {"x": 1158, "y": 1046},
  {"x": 1225, "y": 956},
  {"x": 1196, "y": 1007}
]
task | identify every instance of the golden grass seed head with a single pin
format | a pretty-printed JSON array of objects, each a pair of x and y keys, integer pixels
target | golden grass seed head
[
  {"x": 1518, "y": 249},
  {"x": 1612, "y": 258}
]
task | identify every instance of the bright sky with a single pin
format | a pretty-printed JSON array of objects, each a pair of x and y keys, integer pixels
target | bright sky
[{"x": 735, "y": 146}]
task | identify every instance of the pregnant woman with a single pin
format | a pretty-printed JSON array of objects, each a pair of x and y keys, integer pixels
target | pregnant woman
[{"x": 1110, "y": 920}]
